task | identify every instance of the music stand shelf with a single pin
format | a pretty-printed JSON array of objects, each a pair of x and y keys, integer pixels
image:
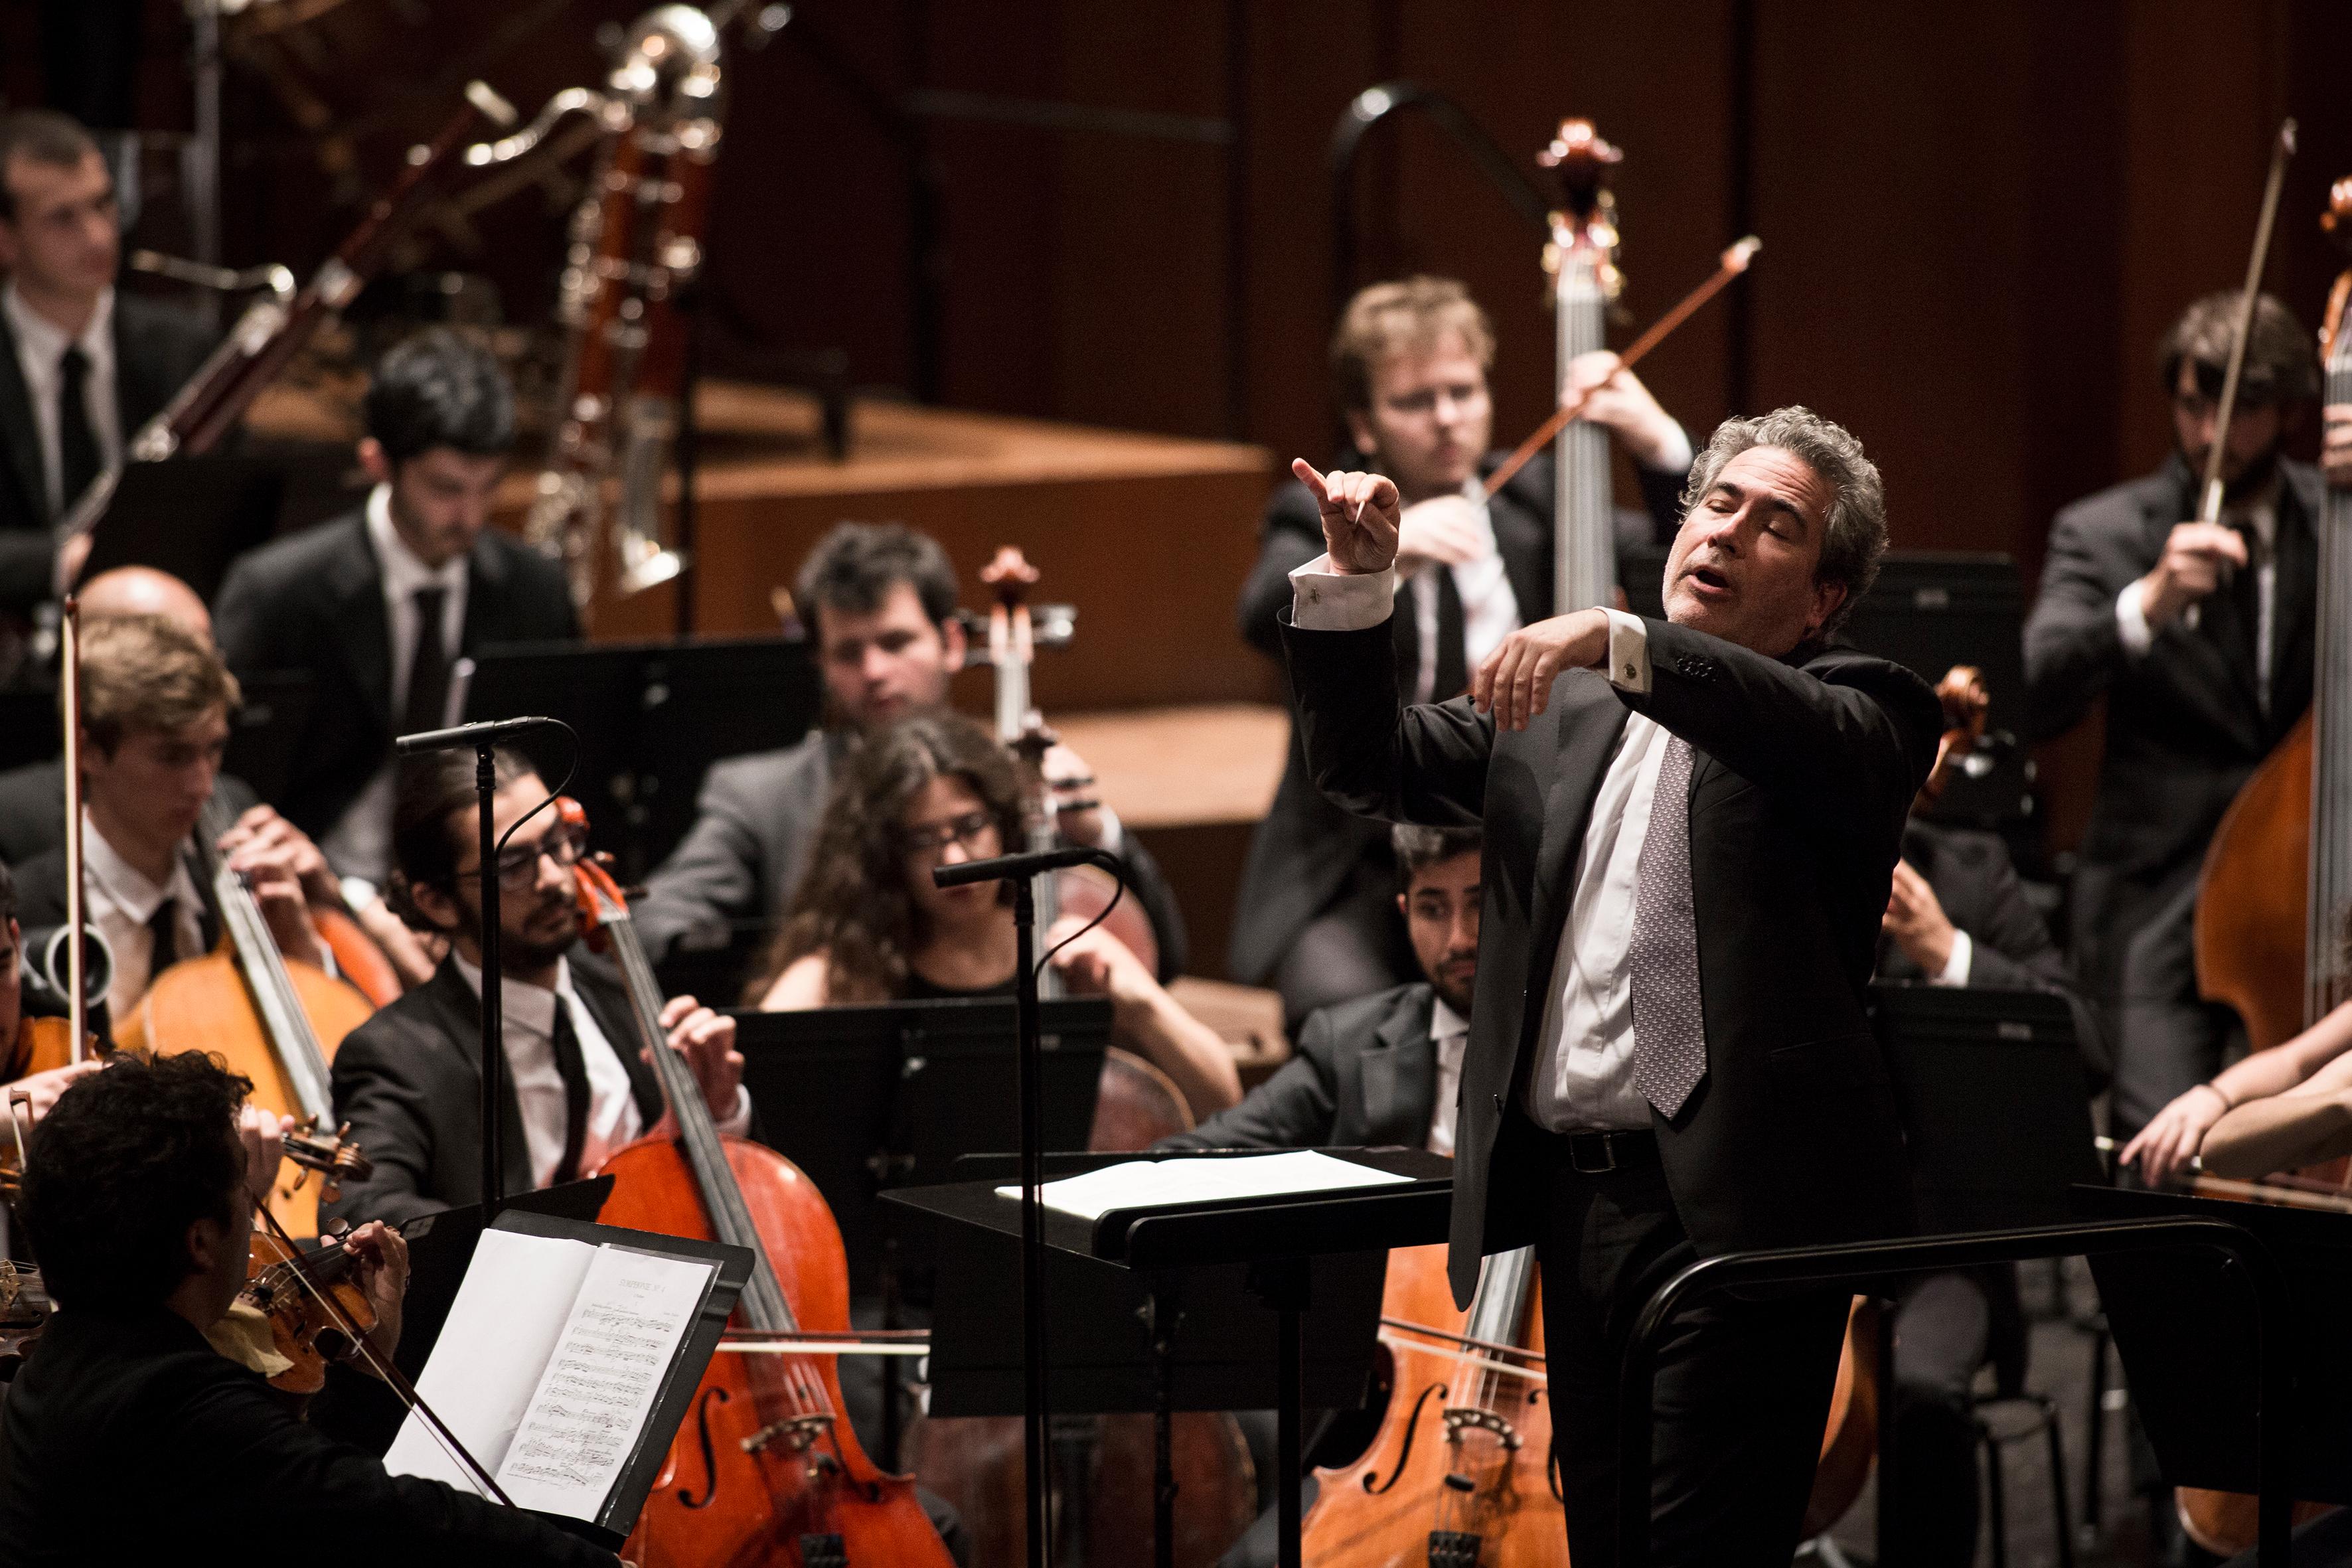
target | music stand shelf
[{"x": 1277, "y": 1237}]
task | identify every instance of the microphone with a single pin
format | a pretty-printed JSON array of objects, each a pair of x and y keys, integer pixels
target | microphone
[
  {"x": 486, "y": 733},
  {"x": 1018, "y": 867}
]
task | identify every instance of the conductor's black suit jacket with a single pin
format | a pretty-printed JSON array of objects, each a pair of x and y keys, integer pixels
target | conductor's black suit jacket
[
  {"x": 409, "y": 1081},
  {"x": 1803, "y": 774},
  {"x": 314, "y": 601}
]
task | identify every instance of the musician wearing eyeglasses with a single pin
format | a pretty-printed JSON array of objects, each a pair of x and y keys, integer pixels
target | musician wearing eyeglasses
[
  {"x": 577, "y": 1086},
  {"x": 82, "y": 367},
  {"x": 155, "y": 705},
  {"x": 126, "y": 1438},
  {"x": 1409, "y": 366},
  {"x": 2200, "y": 638}
]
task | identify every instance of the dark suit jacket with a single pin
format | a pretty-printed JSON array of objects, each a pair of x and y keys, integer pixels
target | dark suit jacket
[
  {"x": 1364, "y": 1074},
  {"x": 156, "y": 349},
  {"x": 314, "y": 601},
  {"x": 756, "y": 826},
  {"x": 215, "y": 1450},
  {"x": 409, "y": 1081},
  {"x": 1802, "y": 782},
  {"x": 33, "y": 809},
  {"x": 2184, "y": 730},
  {"x": 1301, "y": 856}
]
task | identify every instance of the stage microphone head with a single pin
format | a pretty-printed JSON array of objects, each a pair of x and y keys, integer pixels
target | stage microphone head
[
  {"x": 1018, "y": 867},
  {"x": 487, "y": 733}
]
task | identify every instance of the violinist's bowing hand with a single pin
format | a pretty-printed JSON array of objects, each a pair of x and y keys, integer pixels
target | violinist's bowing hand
[
  {"x": 380, "y": 1258},
  {"x": 1514, "y": 682},
  {"x": 708, "y": 1040},
  {"x": 2174, "y": 1135},
  {"x": 1915, "y": 918},
  {"x": 1359, "y": 517},
  {"x": 2196, "y": 555},
  {"x": 41, "y": 1090},
  {"x": 1604, "y": 393},
  {"x": 264, "y": 1137},
  {"x": 2335, "y": 444}
]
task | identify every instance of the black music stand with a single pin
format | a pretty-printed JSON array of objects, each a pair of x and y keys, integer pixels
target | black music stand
[
  {"x": 1274, "y": 1239},
  {"x": 650, "y": 718},
  {"x": 190, "y": 516}
]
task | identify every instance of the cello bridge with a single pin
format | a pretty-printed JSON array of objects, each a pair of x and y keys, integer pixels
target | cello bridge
[
  {"x": 1460, "y": 1419},
  {"x": 800, "y": 1433}
]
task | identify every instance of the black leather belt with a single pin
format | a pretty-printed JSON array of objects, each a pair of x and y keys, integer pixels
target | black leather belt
[{"x": 1594, "y": 1154}]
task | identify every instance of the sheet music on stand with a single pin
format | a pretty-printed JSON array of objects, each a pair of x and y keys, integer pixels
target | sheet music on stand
[{"x": 568, "y": 1362}]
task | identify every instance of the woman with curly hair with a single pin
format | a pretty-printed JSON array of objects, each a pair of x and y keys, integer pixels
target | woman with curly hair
[{"x": 868, "y": 925}]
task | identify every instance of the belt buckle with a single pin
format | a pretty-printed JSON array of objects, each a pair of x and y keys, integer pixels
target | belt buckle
[{"x": 1608, "y": 1154}]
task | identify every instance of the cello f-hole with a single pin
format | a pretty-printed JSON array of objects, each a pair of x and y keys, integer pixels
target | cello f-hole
[
  {"x": 1411, "y": 1430},
  {"x": 710, "y": 1454}
]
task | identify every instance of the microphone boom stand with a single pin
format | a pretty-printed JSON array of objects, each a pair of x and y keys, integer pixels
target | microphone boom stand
[{"x": 494, "y": 983}]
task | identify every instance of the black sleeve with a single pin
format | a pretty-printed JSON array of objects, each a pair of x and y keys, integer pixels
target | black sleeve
[
  {"x": 28, "y": 567},
  {"x": 1289, "y": 536},
  {"x": 1148, "y": 885},
  {"x": 314, "y": 1488},
  {"x": 1295, "y": 1109},
  {"x": 1661, "y": 497},
  {"x": 379, "y": 1089},
  {"x": 710, "y": 879},
  {"x": 2012, "y": 946},
  {"x": 1842, "y": 748},
  {"x": 242, "y": 627},
  {"x": 1368, "y": 753},
  {"x": 2072, "y": 646}
]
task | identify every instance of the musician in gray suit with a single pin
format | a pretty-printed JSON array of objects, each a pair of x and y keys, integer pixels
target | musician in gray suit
[
  {"x": 2199, "y": 635},
  {"x": 880, "y": 602}
]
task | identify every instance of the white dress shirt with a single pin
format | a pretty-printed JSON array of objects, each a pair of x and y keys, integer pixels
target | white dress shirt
[
  {"x": 359, "y": 844},
  {"x": 40, "y": 346},
  {"x": 121, "y": 900},
  {"x": 1490, "y": 610},
  {"x": 527, "y": 1031},
  {"x": 1583, "y": 1077},
  {"x": 2260, "y": 514},
  {"x": 1449, "y": 1031}
]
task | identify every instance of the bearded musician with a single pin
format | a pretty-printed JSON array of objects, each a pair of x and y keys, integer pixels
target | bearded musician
[{"x": 1409, "y": 366}]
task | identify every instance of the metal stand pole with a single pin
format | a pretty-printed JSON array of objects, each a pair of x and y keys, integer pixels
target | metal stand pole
[
  {"x": 1166, "y": 1313},
  {"x": 494, "y": 1052},
  {"x": 1033, "y": 1219}
]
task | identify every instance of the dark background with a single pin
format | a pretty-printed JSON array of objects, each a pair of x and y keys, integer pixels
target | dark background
[{"x": 1977, "y": 219}]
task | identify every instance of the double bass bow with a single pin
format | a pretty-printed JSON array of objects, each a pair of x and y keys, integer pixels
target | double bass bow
[{"x": 768, "y": 1469}]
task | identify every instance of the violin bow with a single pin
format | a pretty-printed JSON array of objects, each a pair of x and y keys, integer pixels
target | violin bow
[
  {"x": 1730, "y": 264},
  {"x": 2210, "y": 508},
  {"x": 393, "y": 1378},
  {"x": 69, "y": 660}
]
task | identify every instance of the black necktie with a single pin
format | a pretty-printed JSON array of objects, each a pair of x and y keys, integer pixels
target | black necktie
[
  {"x": 164, "y": 927},
  {"x": 428, "y": 671},
  {"x": 573, "y": 1066},
  {"x": 1453, "y": 657},
  {"x": 77, "y": 459},
  {"x": 2247, "y": 587}
]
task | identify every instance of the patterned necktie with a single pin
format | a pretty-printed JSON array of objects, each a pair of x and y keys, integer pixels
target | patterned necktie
[
  {"x": 78, "y": 457},
  {"x": 1669, "y": 1019}
]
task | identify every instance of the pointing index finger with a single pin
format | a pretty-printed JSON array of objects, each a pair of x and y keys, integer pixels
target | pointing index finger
[{"x": 1311, "y": 477}]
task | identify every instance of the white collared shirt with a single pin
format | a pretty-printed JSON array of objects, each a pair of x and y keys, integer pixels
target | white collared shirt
[
  {"x": 120, "y": 900},
  {"x": 40, "y": 344},
  {"x": 1490, "y": 609},
  {"x": 1449, "y": 1032},
  {"x": 529, "y": 1033},
  {"x": 358, "y": 846},
  {"x": 1583, "y": 1074}
]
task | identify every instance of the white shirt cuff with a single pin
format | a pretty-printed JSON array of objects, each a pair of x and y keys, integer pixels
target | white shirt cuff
[
  {"x": 1955, "y": 968},
  {"x": 1675, "y": 457},
  {"x": 2131, "y": 619},
  {"x": 737, "y": 1123},
  {"x": 1629, "y": 651},
  {"x": 1322, "y": 600}
]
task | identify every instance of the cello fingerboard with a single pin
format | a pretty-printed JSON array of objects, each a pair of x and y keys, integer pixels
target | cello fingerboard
[{"x": 2325, "y": 973}]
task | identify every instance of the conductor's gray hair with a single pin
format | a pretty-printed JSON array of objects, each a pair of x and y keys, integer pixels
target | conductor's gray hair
[{"x": 1855, "y": 541}]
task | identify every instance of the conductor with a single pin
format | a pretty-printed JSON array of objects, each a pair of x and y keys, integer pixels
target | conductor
[{"x": 1690, "y": 828}]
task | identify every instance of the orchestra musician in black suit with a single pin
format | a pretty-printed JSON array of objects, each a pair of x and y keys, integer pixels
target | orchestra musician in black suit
[
  {"x": 139, "y": 1194},
  {"x": 1690, "y": 826},
  {"x": 2199, "y": 636},
  {"x": 879, "y": 601},
  {"x": 1409, "y": 364},
  {"x": 82, "y": 365},
  {"x": 378, "y": 607}
]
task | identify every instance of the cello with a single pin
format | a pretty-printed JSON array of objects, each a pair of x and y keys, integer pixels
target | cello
[
  {"x": 2275, "y": 891},
  {"x": 768, "y": 1469}
]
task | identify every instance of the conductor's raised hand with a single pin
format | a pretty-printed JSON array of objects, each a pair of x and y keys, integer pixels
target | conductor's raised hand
[
  {"x": 1359, "y": 517},
  {"x": 1514, "y": 682}
]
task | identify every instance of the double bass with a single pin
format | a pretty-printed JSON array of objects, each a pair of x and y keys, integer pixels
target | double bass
[
  {"x": 1582, "y": 257},
  {"x": 766, "y": 1470}
]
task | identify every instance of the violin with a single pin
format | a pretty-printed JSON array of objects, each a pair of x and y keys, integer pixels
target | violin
[
  {"x": 1966, "y": 703},
  {"x": 768, "y": 1469}
]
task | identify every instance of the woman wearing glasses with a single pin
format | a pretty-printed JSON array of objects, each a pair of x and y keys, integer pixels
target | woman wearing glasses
[{"x": 869, "y": 926}]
